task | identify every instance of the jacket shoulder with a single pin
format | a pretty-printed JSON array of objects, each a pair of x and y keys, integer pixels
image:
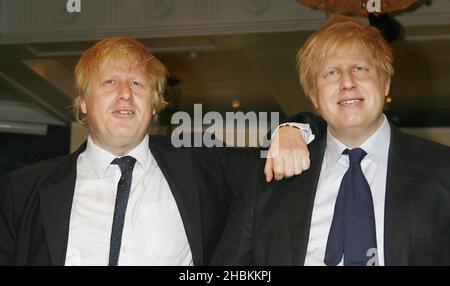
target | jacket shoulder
[
  {"x": 425, "y": 146},
  {"x": 40, "y": 167},
  {"x": 23, "y": 181},
  {"x": 432, "y": 154}
]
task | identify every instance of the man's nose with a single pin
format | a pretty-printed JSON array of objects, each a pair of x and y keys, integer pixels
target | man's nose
[
  {"x": 125, "y": 92},
  {"x": 347, "y": 80}
]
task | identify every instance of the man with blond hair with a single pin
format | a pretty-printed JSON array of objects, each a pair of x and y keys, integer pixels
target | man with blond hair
[
  {"x": 372, "y": 196},
  {"x": 123, "y": 198}
]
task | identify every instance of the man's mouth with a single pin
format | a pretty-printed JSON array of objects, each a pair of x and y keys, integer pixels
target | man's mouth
[
  {"x": 123, "y": 113},
  {"x": 351, "y": 102}
]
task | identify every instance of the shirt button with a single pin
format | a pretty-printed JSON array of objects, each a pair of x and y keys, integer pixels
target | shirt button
[{"x": 124, "y": 248}]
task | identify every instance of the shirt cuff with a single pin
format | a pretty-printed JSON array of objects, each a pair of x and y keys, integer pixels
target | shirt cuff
[{"x": 305, "y": 129}]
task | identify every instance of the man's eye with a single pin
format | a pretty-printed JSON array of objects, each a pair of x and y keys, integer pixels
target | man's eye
[
  {"x": 110, "y": 82},
  {"x": 136, "y": 83},
  {"x": 358, "y": 68},
  {"x": 332, "y": 74}
]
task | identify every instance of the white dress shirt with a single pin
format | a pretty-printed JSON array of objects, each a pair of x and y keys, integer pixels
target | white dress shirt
[
  {"x": 305, "y": 130},
  {"x": 153, "y": 232},
  {"x": 334, "y": 166}
]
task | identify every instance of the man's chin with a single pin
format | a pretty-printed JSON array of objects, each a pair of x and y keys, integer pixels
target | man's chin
[{"x": 124, "y": 136}]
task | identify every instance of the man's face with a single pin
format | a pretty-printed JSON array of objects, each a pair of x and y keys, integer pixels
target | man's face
[
  {"x": 118, "y": 107},
  {"x": 350, "y": 95}
]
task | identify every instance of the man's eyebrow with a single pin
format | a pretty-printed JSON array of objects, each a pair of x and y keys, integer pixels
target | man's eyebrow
[
  {"x": 362, "y": 62},
  {"x": 329, "y": 67}
]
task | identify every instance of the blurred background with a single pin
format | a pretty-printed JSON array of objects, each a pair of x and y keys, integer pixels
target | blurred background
[{"x": 228, "y": 55}]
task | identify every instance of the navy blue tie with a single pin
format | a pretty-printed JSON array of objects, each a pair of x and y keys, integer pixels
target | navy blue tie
[
  {"x": 126, "y": 165},
  {"x": 352, "y": 233}
]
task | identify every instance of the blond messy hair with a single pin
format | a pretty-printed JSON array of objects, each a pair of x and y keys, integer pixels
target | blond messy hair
[
  {"x": 123, "y": 50},
  {"x": 342, "y": 35}
]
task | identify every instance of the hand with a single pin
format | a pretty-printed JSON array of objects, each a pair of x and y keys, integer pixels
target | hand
[{"x": 288, "y": 154}]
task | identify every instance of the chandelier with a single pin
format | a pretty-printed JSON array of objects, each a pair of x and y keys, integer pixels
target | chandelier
[{"x": 359, "y": 7}]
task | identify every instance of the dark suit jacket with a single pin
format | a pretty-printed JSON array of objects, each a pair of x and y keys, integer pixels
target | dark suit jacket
[
  {"x": 35, "y": 202},
  {"x": 269, "y": 224}
]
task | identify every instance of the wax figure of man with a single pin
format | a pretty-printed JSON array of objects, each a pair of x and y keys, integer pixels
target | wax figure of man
[{"x": 372, "y": 196}]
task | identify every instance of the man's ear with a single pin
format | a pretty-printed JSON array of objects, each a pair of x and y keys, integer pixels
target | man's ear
[
  {"x": 83, "y": 105},
  {"x": 313, "y": 97},
  {"x": 387, "y": 87}
]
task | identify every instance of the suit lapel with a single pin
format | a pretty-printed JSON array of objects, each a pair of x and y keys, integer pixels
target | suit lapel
[
  {"x": 301, "y": 193},
  {"x": 177, "y": 167},
  {"x": 401, "y": 185},
  {"x": 56, "y": 203}
]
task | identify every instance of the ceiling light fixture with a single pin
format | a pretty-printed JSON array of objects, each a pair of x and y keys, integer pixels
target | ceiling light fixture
[{"x": 359, "y": 7}]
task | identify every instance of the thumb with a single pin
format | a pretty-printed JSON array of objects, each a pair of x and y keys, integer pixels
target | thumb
[{"x": 268, "y": 170}]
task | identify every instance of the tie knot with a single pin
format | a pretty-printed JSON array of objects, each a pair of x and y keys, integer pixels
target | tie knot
[
  {"x": 355, "y": 155},
  {"x": 125, "y": 163}
]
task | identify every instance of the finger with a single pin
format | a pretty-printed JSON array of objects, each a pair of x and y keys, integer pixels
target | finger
[
  {"x": 268, "y": 170},
  {"x": 306, "y": 162},
  {"x": 298, "y": 164},
  {"x": 278, "y": 168},
  {"x": 289, "y": 165}
]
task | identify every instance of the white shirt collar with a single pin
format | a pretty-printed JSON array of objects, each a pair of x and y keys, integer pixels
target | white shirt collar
[
  {"x": 376, "y": 146},
  {"x": 101, "y": 159}
]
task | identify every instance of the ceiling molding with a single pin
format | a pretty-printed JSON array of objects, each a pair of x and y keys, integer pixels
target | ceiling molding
[
  {"x": 30, "y": 21},
  {"x": 20, "y": 112},
  {"x": 40, "y": 53},
  {"x": 35, "y": 97}
]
